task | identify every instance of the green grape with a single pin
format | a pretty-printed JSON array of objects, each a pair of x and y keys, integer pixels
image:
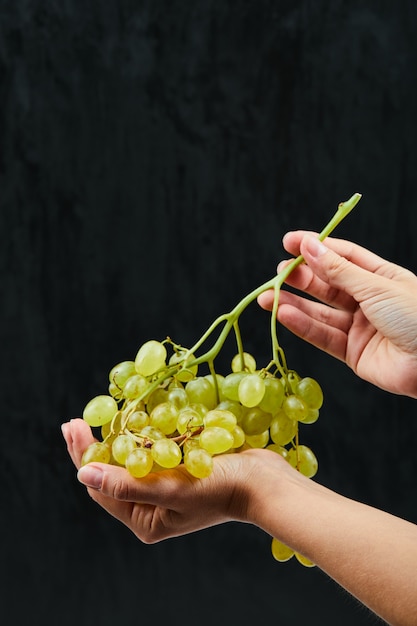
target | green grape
[
  {"x": 139, "y": 462},
  {"x": 164, "y": 417},
  {"x": 188, "y": 420},
  {"x": 293, "y": 379},
  {"x": 255, "y": 421},
  {"x": 295, "y": 408},
  {"x": 232, "y": 406},
  {"x": 251, "y": 390},
  {"x": 201, "y": 391},
  {"x": 135, "y": 386},
  {"x": 150, "y": 358},
  {"x": 100, "y": 410},
  {"x": 282, "y": 429},
  {"x": 190, "y": 444},
  {"x": 120, "y": 373},
  {"x": 98, "y": 452},
  {"x": 216, "y": 381},
  {"x": 137, "y": 420},
  {"x": 310, "y": 391},
  {"x": 280, "y": 551},
  {"x": 243, "y": 362},
  {"x": 198, "y": 462},
  {"x": 239, "y": 436},
  {"x": 201, "y": 409},
  {"x": 304, "y": 560},
  {"x": 278, "y": 449},
  {"x": 167, "y": 453},
  {"x": 178, "y": 397},
  {"x": 216, "y": 440},
  {"x": 115, "y": 391},
  {"x": 258, "y": 441},
  {"x": 311, "y": 417},
  {"x": 157, "y": 396},
  {"x": 304, "y": 460},
  {"x": 186, "y": 372},
  {"x": 273, "y": 396},
  {"x": 224, "y": 419},
  {"x": 230, "y": 387},
  {"x": 151, "y": 433},
  {"x": 122, "y": 446}
]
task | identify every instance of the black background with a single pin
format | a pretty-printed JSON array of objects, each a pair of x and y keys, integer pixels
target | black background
[{"x": 152, "y": 155}]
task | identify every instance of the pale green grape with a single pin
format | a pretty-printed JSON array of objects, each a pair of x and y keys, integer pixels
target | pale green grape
[
  {"x": 137, "y": 420},
  {"x": 216, "y": 381},
  {"x": 190, "y": 444},
  {"x": 304, "y": 460},
  {"x": 251, "y": 390},
  {"x": 295, "y": 408},
  {"x": 201, "y": 409},
  {"x": 98, "y": 452},
  {"x": 164, "y": 417},
  {"x": 167, "y": 453},
  {"x": 293, "y": 379},
  {"x": 122, "y": 446},
  {"x": 139, "y": 462},
  {"x": 239, "y": 436},
  {"x": 150, "y": 358},
  {"x": 121, "y": 372},
  {"x": 152, "y": 433},
  {"x": 224, "y": 419},
  {"x": 282, "y": 429},
  {"x": 255, "y": 421},
  {"x": 243, "y": 362},
  {"x": 304, "y": 560},
  {"x": 280, "y": 551},
  {"x": 198, "y": 462},
  {"x": 278, "y": 449},
  {"x": 232, "y": 406},
  {"x": 178, "y": 397},
  {"x": 230, "y": 387},
  {"x": 157, "y": 396},
  {"x": 201, "y": 391},
  {"x": 216, "y": 440},
  {"x": 186, "y": 372},
  {"x": 311, "y": 417},
  {"x": 188, "y": 420},
  {"x": 258, "y": 441},
  {"x": 310, "y": 391},
  {"x": 100, "y": 410},
  {"x": 135, "y": 386},
  {"x": 115, "y": 391},
  {"x": 273, "y": 396}
]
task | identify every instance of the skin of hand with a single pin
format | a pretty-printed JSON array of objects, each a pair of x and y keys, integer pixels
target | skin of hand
[
  {"x": 368, "y": 552},
  {"x": 364, "y": 310}
]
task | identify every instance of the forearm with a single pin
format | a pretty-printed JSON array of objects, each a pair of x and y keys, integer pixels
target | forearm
[{"x": 372, "y": 554}]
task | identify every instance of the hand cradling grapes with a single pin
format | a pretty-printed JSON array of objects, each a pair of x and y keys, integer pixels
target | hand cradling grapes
[{"x": 161, "y": 411}]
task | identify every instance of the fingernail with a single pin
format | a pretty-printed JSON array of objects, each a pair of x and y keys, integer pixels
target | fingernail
[
  {"x": 90, "y": 476},
  {"x": 314, "y": 246}
]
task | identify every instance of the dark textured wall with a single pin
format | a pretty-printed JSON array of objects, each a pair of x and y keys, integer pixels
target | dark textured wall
[{"x": 152, "y": 155}]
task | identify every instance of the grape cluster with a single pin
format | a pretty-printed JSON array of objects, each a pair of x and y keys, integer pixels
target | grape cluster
[
  {"x": 189, "y": 418},
  {"x": 160, "y": 411}
]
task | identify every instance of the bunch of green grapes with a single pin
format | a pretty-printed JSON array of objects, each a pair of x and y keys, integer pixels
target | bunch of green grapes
[
  {"x": 161, "y": 411},
  {"x": 189, "y": 418}
]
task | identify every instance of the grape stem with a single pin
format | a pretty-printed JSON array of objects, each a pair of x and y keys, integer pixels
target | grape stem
[{"x": 230, "y": 319}]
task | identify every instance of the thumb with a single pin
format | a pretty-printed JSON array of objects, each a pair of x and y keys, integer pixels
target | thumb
[{"x": 337, "y": 271}]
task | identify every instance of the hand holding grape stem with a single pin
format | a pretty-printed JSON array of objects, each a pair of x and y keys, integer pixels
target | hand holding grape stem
[{"x": 366, "y": 314}]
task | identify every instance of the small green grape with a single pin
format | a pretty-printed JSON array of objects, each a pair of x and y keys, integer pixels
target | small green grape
[
  {"x": 150, "y": 358},
  {"x": 98, "y": 452},
  {"x": 100, "y": 410},
  {"x": 167, "y": 453},
  {"x": 251, "y": 390},
  {"x": 216, "y": 440},
  {"x": 122, "y": 446},
  {"x": 304, "y": 460},
  {"x": 280, "y": 551},
  {"x": 198, "y": 462},
  {"x": 139, "y": 462},
  {"x": 243, "y": 362}
]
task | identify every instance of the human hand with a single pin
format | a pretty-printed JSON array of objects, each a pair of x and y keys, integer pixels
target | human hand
[
  {"x": 365, "y": 313},
  {"x": 171, "y": 502}
]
